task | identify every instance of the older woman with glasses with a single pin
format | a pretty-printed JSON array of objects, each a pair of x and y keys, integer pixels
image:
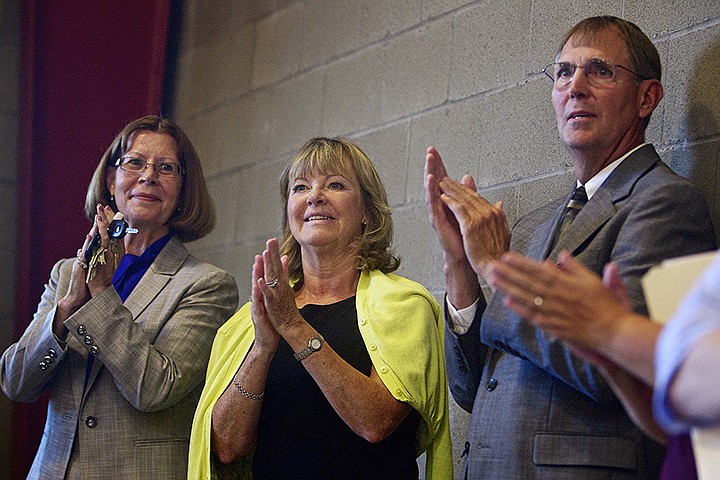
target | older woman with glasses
[
  {"x": 123, "y": 332},
  {"x": 334, "y": 369}
]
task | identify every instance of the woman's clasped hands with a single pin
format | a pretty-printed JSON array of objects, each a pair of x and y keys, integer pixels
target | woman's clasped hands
[{"x": 272, "y": 299}]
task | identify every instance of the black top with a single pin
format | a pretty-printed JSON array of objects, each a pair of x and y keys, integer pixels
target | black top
[{"x": 300, "y": 436}]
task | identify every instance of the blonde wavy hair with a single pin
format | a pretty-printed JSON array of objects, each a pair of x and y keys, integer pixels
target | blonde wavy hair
[{"x": 338, "y": 155}]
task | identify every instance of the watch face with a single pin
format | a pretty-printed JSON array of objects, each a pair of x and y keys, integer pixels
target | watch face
[{"x": 315, "y": 344}]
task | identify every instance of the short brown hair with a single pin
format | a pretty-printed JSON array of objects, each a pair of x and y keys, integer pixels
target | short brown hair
[
  {"x": 338, "y": 155},
  {"x": 643, "y": 56},
  {"x": 195, "y": 215}
]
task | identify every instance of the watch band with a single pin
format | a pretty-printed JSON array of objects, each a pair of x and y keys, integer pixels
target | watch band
[{"x": 314, "y": 344}]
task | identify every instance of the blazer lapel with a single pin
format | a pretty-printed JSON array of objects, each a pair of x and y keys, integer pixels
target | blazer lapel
[
  {"x": 166, "y": 264},
  {"x": 541, "y": 240},
  {"x": 593, "y": 216},
  {"x": 601, "y": 207}
]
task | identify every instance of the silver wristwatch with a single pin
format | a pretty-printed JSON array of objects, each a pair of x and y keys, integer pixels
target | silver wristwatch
[{"x": 314, "y": 344}]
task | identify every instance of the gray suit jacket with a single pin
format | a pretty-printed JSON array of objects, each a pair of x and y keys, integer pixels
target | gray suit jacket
[
  {"x": 538, "y": 411},
  {"x": 134, "y": 418}
]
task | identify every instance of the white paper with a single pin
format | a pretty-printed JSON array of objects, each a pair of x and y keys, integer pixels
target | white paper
[{"x": 664, "y": 286}]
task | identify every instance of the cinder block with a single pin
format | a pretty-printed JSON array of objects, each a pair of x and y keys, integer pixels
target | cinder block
[
  {"x": 456, "y": 133},
  {"x": 551, "y": 19},
  {"x": 216, "y": 72},
  {"x": 257, "y": 193},
  {"x": 535, "y": 193},
  {"x": 486, "y": 142},
  {"x": 343, "y": 27},
  {"x": 692, "y": 90},
  {"x": 237, "y": 260},
  {"x": 387, "y": 149},
  {"x": 418, "y": 247},
  {"x": 668, "y": 17},
  {"x": 280, "y": 40},
  {"x": 242, "y": 258},
  {"x": 654, "y": 131},
  {"x": 416, "y": 70},
  {"x": 520, "y": 137},
  {"x": 234, "y": 134},
  {"x": 400, "y": 76},
  {"x": 490, "y": 45},
  {"x": 436, "y": 8},
  {"x": 204, "y": 137},
  {"x": 354, "y": 92},
  {"x": 291, "y": 113},
  {"x": 205, "y": 22},
  {"x": 229, "y": 206}
]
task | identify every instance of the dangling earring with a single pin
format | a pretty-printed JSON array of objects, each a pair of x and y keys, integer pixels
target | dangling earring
[{"x": 112, "y": 198}]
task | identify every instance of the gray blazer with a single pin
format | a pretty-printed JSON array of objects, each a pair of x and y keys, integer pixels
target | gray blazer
[
  {"x": 538, "y": 411},
  {"x": 134, "y": 418}
]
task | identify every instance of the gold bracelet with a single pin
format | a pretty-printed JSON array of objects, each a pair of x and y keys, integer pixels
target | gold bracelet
[{"x": 246, "y": 394}]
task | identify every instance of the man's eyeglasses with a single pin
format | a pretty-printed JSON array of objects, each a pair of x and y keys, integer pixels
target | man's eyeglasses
[
  {"x": 138, "y": 165},
  {"x": 598, "y": 72}
]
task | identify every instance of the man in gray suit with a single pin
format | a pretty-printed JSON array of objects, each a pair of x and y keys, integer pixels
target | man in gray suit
[{"x": 539, "y": 410}]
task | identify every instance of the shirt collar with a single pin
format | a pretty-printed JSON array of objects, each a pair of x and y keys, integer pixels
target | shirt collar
[{"x": 592, "y": 185}]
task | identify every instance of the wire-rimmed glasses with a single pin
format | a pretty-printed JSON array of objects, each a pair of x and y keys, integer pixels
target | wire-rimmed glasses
[
  {"x": 598, "y": 72},
  {"x": 138, "y": 165}
]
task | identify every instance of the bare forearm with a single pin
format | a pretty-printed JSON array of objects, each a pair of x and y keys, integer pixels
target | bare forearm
[
  {"x": 633, "y": 346},
  {"x": 235, "y": 414}
]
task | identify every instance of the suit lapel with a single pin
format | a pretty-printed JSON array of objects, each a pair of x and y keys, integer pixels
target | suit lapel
[
  {"x": 165, "y": 265},
  {"x": 601, "y": 207},
  {"x": 593, "y": 216},
  {"x": 542, "y": 238}
]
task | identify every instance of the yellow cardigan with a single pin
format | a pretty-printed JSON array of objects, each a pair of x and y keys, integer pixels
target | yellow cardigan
[{"x": 401, "y": 325}]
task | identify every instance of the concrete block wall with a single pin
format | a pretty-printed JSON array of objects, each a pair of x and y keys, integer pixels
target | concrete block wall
[
  {"x": 9, "y": 84},
  {"x": 255, "y": 80}
]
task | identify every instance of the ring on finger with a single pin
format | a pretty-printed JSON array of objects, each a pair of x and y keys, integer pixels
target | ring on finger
[
  {"x": 538, "y": 301},
  {"x": 272, "y": 283},
  {"x": 81, "y": 263}
]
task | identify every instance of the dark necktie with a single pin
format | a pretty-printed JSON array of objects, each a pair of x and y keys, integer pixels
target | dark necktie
[{"x": 577, "y": 201}]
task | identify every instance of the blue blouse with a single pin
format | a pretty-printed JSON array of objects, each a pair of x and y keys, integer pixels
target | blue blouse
[{"x": 132, "y": 267}]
